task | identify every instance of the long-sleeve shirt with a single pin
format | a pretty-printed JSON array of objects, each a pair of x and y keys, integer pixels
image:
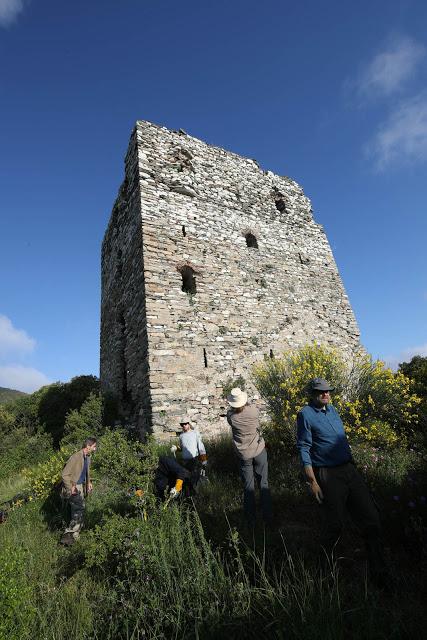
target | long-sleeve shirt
[
  {"x": 246, "y": 432},
  {"x": 191, "y": 444},
  {"x": 73, "y": 471},
  {"x": 322, "y": 441}
]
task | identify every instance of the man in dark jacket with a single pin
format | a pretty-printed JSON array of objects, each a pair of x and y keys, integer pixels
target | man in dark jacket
[
  {"x": 333, "y": 479},
  {"x": 170, "y": 474},
  {"x": 75, "y": 486}
]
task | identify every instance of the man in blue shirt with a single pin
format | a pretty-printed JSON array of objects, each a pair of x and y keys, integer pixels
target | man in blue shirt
[{"x": 332, "y": 477}]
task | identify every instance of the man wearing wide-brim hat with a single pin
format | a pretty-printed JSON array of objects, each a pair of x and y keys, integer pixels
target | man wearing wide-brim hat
[
  {"x": 193, "y": 453},
  {"x": 251, "y": 454},
  {"x": 332, "y": 477}
]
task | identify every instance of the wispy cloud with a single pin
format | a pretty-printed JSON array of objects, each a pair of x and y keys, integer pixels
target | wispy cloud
[
  {"x": 406, "y": 356},
  {"x": 9, "y": 11},
  {"x": 389, "y": 71},
  {"x": 22, "y": 378},
  {"x": 15, "y": 346},
  {"x": 403, "y": 137},
  {"x": 14, "y": 343}
]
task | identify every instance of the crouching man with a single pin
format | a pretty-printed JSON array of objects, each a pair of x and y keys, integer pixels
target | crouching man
[
  {"x": 169, "y": 474},
  {"x": 76, "y": 485}
]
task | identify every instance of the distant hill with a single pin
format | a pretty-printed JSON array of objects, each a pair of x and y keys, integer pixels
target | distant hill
[{"x": 9, "y": 395}]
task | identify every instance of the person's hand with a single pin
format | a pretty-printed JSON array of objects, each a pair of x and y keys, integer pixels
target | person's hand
[
  {"x": 173, "y": 493},
  {"x": 89, "y": 487},
  {"x": 174, "y": 448},
  {"x": 74, "y": 491},
  {"x": 316, "y": 491}
]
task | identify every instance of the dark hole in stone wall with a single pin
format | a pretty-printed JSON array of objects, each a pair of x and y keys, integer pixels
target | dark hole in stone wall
[
  {"x": 188, "y": 280},
  {"x": 280, "y": 205},
  {"x": 251, "y": 241},
  {"x": 184, "y": 233},
  {"x": 271, "y": 353},
  {"x": 121, "y": 352},
  {"x": 119, "y": 266},
  {"x": 205, "y": 357}
]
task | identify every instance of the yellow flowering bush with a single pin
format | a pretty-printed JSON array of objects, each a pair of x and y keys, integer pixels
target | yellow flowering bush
[
  {"x": 374, "y": 404},
  {"x": 46, "y": 476},
  {"x": 376, "y": 433}
]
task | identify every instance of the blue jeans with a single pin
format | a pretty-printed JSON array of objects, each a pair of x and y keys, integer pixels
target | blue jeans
[{"x": 250, "y": 468}]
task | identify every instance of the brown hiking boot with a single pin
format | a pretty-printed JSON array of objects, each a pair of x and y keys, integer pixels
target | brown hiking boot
[{"x": 67, "y": 540}]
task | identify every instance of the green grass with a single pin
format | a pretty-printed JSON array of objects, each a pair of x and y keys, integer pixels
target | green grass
[
  {"x": 11, "y": 486},
  {"x": 185, "y": 574}
]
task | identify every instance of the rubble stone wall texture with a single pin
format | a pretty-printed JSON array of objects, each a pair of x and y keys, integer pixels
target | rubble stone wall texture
[{"x": 209, "y": 264}]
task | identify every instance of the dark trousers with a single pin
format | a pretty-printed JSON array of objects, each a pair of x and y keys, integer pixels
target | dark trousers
[
  {"x": 343, "y": 487},
  {"x": 256, "y": 467},
  {"x": 193, "y": 466}
]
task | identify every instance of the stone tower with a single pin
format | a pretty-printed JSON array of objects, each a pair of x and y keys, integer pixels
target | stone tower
[{"x": 209, "y": 264}]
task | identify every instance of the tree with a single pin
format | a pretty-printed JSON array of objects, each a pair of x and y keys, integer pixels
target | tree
[{"x": 416, "y": 371}]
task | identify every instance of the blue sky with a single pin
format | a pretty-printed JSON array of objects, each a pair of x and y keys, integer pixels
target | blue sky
[{"x": 332, "y": 94}]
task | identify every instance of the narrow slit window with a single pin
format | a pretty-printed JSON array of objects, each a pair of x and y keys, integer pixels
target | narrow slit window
[
  {"x": 119, "y": 264},
  {"x": 205, "y": 358},
  {"x": 184, "y": 233}
]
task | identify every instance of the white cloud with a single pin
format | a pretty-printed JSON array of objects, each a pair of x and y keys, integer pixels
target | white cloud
[
  {"x": 21, "y": 378},
  {"x": 406, "y": 356},
  {"x": 403, "y": 137},
  {"x": 9, "y": 11},
  {"x": 13, "y": 342},
  {"x": 389, "y": 70}
]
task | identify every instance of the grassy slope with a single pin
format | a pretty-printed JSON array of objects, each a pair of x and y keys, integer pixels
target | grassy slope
[{"x": 266, "y": 584}]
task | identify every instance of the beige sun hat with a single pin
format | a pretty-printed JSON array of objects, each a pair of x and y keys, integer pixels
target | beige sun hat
[{"x": 237, "y": 398}]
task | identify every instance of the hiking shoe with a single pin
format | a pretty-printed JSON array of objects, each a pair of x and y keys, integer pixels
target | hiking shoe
[{"x": 67, "y": 540}]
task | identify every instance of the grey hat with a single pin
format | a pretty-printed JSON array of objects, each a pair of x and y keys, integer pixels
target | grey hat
[{"x": 319, "y": 384}]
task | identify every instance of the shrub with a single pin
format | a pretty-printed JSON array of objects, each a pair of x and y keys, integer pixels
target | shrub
[
  {"x": 45, "y": 410},
  {"x": 86, "y": 420},
  {"x": 18, "y": 449},
  {"x": 127, "y": 464},
  {"x": 365, "y": 392},
  {"x": 232, "y": 383},
  {"x": 46, "y": 476}
]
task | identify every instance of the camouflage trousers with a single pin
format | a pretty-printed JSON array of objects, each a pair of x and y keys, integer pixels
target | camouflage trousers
[{"x": 78, "y": 512}]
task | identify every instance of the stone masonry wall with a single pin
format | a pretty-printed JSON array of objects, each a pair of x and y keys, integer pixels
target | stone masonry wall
[{"x": 188, "y": 216}]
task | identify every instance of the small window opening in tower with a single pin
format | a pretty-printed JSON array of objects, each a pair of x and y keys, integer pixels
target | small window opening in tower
[
  {"x": 205, "y": 358},
  {"x": 123, "y": 370},
  {"x": 251, "y": 241},
  {"x": 271, "y": 354},
  {"x": 119, "y": 269},
  {"x": 188, "y": 280},
  {"x": 184, "y": 233},
  {"x": 280, "y": 205}
]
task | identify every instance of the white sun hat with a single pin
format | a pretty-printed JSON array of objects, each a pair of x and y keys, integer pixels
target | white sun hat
[{"x": 237, "y": 398}]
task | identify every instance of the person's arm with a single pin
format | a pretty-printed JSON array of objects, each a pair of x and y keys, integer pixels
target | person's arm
[
  {"x": 201, "y": 449},
  {"x": 67, "y": 472},
  {"x": 304, "y": 444},
  {"x": 311, "y": 482}
]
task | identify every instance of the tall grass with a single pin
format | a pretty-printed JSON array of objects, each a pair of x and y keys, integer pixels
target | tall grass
[{"x": 187, "y": 574}]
